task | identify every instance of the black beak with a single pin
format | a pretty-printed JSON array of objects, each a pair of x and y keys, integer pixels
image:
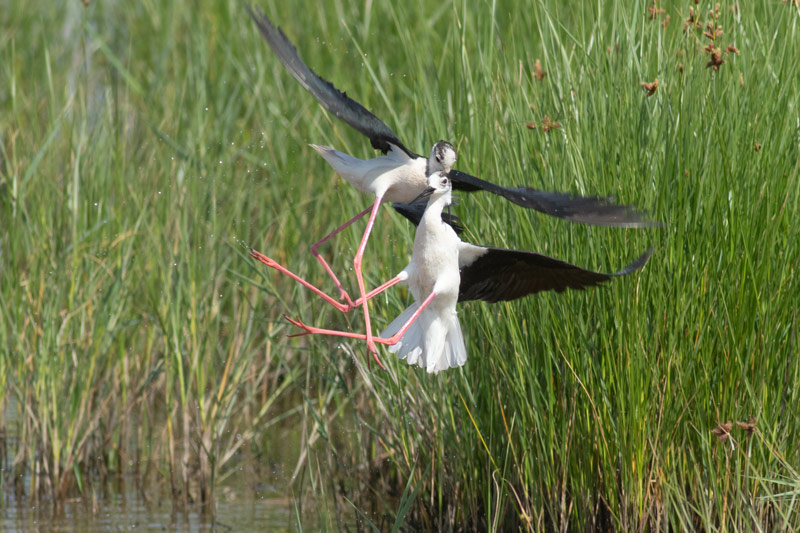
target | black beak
[{"x": 424, "y": 194}]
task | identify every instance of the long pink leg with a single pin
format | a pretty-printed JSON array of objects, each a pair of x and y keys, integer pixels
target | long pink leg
[
  {"x": 394, "y": 339},
  {"x": 376, "y": 291},
  {"x": 315, "y": 252},
  {"x": 344, "y": 308},
  {"x": 360, "y": 278}
]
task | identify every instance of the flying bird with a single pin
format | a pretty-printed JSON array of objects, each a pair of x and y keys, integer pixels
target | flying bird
[
  {"x": 427, "y": 333},
  {"x": 586, "y": 210},
  {"x": 444, "y": 271},
  {"x": 400, "y": 174}
]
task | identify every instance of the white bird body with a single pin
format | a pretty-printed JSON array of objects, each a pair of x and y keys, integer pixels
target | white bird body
[
  {"x": 394, "y": 177},
  {"x": 434, "y": 260},
  {"x": 444, "y": 271},
  {"x": 434, "y": 340},
  {"x": 397, "y": 176},
  {"x": 400, "y": 175}
]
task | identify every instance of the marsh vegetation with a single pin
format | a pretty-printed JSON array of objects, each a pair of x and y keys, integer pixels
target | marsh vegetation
[{"x": 144, "y": 147}]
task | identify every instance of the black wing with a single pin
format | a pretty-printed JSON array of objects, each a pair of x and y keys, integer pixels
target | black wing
[
  {"x": 331, "y": 98},
  {"x": 586, "y": 210},
  {"x": 583, "y": 209},
  {"x": 497, "y": 275},
  {"x": 413, "y": 211}
]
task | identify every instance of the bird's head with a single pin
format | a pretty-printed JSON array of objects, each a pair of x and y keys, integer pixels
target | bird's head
[
  {"x": 443, "y": 157},
  {"x": 438, "y": 185}
]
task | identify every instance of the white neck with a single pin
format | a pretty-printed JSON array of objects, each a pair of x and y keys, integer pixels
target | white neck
[{"x": 433, "y": 212}]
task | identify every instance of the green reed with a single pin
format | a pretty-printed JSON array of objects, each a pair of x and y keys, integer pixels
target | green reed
[{"x": 142, "y": 151}]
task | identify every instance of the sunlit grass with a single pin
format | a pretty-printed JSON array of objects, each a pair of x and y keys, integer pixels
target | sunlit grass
[{"x": 143, "y": 150}]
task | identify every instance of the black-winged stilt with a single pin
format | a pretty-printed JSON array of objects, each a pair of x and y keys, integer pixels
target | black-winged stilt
[
  {"x": 392, "y": 177},
  {"x": 401, "y": 174},
  {"x": 586, "y": 210},
  {"x": 444, "y": 271},
  {"x": 428, "y": 332}
]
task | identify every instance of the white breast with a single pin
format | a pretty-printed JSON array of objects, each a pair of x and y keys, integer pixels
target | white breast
[
  {"x": 394, "y": 176},
  {"x": 435, "y": 264}
]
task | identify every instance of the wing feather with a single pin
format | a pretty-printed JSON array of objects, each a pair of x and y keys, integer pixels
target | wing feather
[
  {"x": 594, "y": 210},
  {"x": 331, "y": 98},
  {"x": 586, "y": 210},
  {"x": 497, "y": 275}
]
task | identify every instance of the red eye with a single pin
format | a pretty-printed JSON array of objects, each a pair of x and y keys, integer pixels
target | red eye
[{"x": 444, "y": 181}]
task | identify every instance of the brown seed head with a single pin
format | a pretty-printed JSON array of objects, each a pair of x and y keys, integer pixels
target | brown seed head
[
  {"x": 538, "y": 72},
  {"x": 548, "y": 124},
  {"x": 748, "y": 426},
  {"x": 689, "y": 20},
  {"x": 722, "y": 431},
  {"x": 650, "y": 87},
  {"x": 716, "y": 59}
]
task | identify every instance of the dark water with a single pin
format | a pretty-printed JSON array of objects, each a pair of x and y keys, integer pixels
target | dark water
[
  {"x": 248, "y": 499},
  {"x": 122, "y": 512},
  {"x": 124, "y": 508}
]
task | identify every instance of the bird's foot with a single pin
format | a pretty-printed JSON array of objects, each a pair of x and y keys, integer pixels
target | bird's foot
[
  {"x": 307, "y": 330},
  {"x": 263, "y": 258},
  {"x": 346, "y": 300}
]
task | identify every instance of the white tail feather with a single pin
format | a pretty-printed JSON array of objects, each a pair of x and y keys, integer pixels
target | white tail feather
[
  {"x": 434, "y": 343},
  {"x": 341, "y": 162}
]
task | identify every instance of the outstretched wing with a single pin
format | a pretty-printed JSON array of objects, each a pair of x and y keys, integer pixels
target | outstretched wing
[
  {"x": 583, "y": 209},
  {"x": 586, "y": 210},
  {"x": 497, "y": 275},
  {"x": 331, "y": 98}
]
